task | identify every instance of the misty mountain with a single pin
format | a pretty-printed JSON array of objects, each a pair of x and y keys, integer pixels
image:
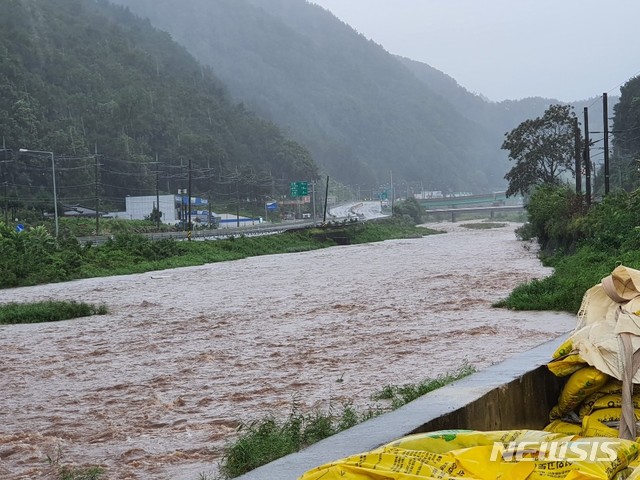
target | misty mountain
[
  {"x": 360, "y": 110},
  {"x": 501, "y": 117}
]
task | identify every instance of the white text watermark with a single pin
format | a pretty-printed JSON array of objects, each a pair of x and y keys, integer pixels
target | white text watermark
[{"x": 554, "y": 451}]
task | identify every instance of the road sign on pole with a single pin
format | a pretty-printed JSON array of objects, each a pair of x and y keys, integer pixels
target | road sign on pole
[{"x": 299, "y": 189}]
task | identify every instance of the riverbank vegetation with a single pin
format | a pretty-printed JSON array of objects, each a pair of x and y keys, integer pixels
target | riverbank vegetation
[
  {"x": 34, "y": 257},
  {"x": 50, "y": 311},
  {"x": 268, "y": 439},
  {"x": 583, "y": 245},
  {"x": 582, "y": 239}
]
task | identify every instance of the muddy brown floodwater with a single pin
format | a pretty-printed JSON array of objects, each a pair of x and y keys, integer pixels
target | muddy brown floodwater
[{"x": 154, "y": 389}]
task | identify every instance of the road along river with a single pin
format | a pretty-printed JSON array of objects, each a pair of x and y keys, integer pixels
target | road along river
[{"x": 154, "y": 389}]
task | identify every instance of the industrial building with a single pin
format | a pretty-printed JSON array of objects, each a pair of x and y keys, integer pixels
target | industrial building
[{"x": 174, "y": 209}]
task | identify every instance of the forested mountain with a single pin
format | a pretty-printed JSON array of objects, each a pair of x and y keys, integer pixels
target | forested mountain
[
  {"x": 360, "y": 111},
  {"x": 80, "y": 76}
]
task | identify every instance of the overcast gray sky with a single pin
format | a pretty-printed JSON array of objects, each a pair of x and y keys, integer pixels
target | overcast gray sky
[{"x": 509, "y": 49}]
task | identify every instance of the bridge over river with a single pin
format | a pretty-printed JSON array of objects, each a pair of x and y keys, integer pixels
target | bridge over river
[{"x": 491, "y": 209}]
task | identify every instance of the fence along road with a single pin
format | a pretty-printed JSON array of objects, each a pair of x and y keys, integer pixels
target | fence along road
[{"x": 364, "y": 210}]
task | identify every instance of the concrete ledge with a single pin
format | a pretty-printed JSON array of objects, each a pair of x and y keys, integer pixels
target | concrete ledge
[{"x": 517, "y": 393}]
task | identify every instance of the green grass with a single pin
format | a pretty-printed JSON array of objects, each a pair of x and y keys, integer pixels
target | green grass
[
  {"x": 268, "y": 439},
  {"x": 403, "y": 394},
  {"x": 80, "y": 473},
  {"x": 572, "y": 276},
  {"x": 50, "y": 311}
]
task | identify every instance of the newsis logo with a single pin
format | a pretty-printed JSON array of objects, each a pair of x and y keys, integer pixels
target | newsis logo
[{"x": 553, "y": 451}]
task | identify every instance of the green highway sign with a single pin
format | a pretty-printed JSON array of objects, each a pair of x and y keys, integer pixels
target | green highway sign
[{"x": 299, "y": 189}]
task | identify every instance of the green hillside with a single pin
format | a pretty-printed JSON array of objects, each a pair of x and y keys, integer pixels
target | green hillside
[{"x": 80, "y": 76}]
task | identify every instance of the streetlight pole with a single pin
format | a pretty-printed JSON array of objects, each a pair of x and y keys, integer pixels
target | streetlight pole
[{"x": 53, "y": 173}]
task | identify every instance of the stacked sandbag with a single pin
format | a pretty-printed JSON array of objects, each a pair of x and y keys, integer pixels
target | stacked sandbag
[
  {"x": 594, "y": 360},
  {"x": 590, "y": 405},
  {"x": 467, "y": 454},
  {"x": 583, "y": 385}
]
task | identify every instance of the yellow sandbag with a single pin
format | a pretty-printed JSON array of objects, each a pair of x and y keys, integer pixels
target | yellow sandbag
[
  {"x": 520, "y": 454},
  {"x": 587, "y": 458},
  {"x": 574, "y": 458},
  {"x": 611, "y": 414},
  {"x": 612, "y": 387},
  {"x": 446, "y": 440},
  {"x": 559, "y": 426},
  {"x": 589, "y": 402},
  {"x": 615, "y": 386},
  {"x": 566, "y": 365},
  {"x": 565, "y": 348},
  {"x": 400, "y": 464},
  {"x": 592, "y": 427},
  {"x": 635, "y": 463},
  {"x": 610, "y": 400},
  {"x": 579, "y": 386},
  {"x": 623, "y": 474},
  {"x": 538, "y": 445}
]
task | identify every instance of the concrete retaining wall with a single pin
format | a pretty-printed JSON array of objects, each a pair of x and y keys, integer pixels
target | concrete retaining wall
[{"x": 517, "y": 393}]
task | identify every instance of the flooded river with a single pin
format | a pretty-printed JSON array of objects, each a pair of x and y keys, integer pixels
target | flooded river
[{"x": 154, "y": 389}]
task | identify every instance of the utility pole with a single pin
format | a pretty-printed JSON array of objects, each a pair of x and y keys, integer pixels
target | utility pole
[
  {"x": 209, "y": 204},
  {"x": 393, "y": 194},
  {"x": 313, "y": 196},
  {"x": 189, "y": 204},
  {"x": 237, "y": 199},
  {"x": 5, "y": 182},
  {"x": 97, "y": 191},
  {"x": 158, "y": 213},
  {"x": 578, "y": 154},
  {"x": 605, "y": 123},
  {"x": 326, "y": 197},
  {"x": 587, "y": 157}
]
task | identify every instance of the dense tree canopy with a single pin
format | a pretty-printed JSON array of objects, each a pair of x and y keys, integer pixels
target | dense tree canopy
[
  {"x": 543, "y": 149},
  {"x": 80, "y": 76},
  {"x": 625, "y": 164}
]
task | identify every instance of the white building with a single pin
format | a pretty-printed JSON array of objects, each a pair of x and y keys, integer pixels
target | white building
[
  {"x": 173, "y": 208},
  {"x": 139, "y": 208}
]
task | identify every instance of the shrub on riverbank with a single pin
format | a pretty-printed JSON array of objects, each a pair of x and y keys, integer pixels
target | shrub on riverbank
[
  {"x": 33, "y": 257},
  {"x": 12, "y": 313},
  {"x": 268, "y": 439},
  {"x": 582, "y": 246}
]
